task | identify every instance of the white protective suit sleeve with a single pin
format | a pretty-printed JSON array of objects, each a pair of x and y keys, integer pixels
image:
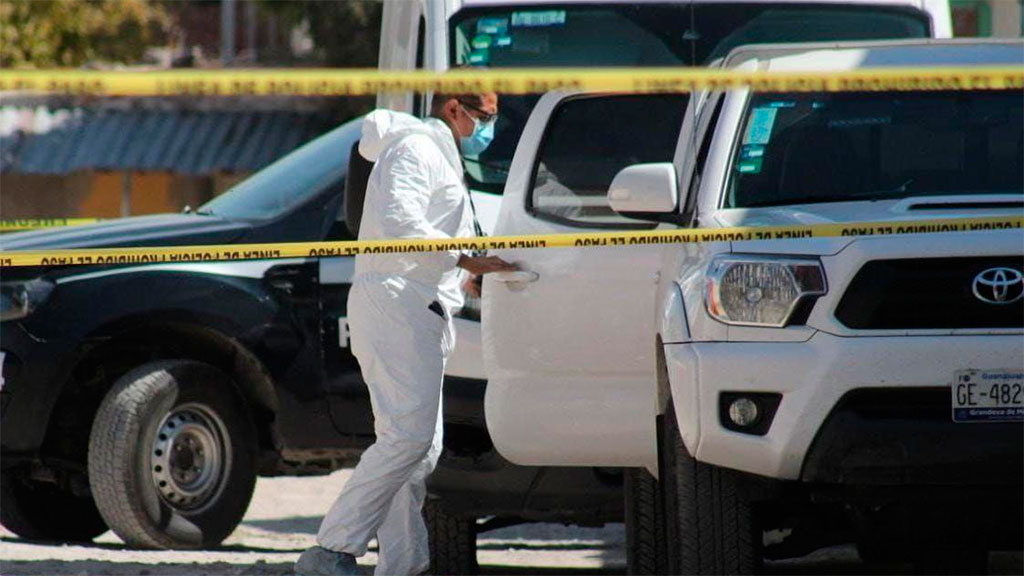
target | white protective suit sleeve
[{"x": 404, "y": 199}]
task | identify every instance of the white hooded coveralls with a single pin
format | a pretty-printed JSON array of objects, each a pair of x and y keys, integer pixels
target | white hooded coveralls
[{"x": 415, "y": 190}]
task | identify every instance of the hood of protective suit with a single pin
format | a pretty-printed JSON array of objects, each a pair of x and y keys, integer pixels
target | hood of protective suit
[
  {"x": 381, "y": 128},
  {"x": 415, "y": 190}
]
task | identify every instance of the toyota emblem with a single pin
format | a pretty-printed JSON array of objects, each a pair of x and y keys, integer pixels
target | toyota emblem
[{"x": 999, "y": 286}]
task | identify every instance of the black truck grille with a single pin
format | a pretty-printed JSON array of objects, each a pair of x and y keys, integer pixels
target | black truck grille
[{"x": 934, "y": 293}]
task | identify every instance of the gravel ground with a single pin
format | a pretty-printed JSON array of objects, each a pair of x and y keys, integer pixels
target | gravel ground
[{"x": 285, "y": 513}]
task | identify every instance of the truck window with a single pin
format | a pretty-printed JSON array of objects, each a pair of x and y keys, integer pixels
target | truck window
[
  {"x": 642, "y": 34},
  {"x": 856, "y": 146},
  {"x": 588, "y": 141},
  {"x": 702, "y": 155}
]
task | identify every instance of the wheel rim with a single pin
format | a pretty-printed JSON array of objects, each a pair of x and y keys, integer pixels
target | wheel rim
[{"x": 190, "y": 456}]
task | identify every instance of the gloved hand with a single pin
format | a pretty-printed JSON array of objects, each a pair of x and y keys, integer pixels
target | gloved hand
[
  {"x": 472, "y": 286},
  {"x": 484, "y": 264}
]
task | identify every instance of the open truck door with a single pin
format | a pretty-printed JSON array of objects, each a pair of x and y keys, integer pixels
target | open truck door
[{"x": 567, "y": 342}]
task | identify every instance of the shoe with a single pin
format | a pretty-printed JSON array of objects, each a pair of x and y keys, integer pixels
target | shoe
[{"x": 319, "y": 561}]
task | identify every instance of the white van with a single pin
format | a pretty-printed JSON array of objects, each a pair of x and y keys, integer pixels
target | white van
[
  {"x": 861, "y": 388},
  {"x": 439, "y": 34}
]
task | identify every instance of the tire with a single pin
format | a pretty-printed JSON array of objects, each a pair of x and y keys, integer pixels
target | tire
[
  {"x": 44, "y": 511},
  {"x": 710, "y": 526},
  {"x": 645, "y": 526},
  {"x": 172, "y": 456},
  {"x": 452, "y": 541}
]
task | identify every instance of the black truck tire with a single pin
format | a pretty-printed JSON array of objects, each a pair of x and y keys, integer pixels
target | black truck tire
[
  {"x": 172, "y": 456},
  {"x": 43, "y": 511},
  {"x": 710, "y": 526},
  {"x": 645, "y": 527},
  {"x": 452, "y": 541}
]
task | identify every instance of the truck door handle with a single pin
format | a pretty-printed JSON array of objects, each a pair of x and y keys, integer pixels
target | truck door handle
[{"x": 516, "y": 277}]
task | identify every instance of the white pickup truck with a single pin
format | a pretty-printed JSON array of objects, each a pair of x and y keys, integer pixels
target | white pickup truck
[
  {"x": 788, "y": 393},
  {"x": 440, "y": 34}
]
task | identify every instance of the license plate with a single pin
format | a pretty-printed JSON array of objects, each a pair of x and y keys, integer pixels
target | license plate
[{"x": 988, "y": 396}]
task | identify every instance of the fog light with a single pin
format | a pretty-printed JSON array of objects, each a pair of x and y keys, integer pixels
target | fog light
[
  {"x": 748, "y": 412},
  {"x": 743, "y": 412}
]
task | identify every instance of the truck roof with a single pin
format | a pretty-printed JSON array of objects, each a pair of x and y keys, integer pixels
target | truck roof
[{"x": 877, "y": 54}]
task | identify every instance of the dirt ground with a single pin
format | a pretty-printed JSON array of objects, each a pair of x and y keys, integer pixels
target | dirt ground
[{"x": 285, "y": 513}]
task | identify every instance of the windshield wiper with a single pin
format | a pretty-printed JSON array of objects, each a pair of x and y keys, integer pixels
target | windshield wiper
[{"x": 873, "y": 196}]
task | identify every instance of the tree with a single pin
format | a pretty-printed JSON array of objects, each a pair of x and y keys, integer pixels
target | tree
[
  {"x": 74, "y": 32},
  {"x": 345, "y": 34}
]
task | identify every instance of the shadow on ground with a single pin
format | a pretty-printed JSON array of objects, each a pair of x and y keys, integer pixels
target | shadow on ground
[
  {"x": 113, "y": 568},
  {"x": 494, "y": 570},
  {"x": 290, "y": 525}
]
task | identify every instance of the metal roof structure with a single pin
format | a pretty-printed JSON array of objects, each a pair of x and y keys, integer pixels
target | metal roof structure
[{"x": 41, "y": 140}]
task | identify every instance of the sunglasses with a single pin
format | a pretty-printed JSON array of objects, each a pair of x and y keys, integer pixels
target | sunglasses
[{"x": 486, "y": 117}]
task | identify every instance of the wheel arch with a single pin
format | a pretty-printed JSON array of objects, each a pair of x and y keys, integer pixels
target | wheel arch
[
  {"x": 664, "y": 392},
  {"x": 115, "y": 348}
]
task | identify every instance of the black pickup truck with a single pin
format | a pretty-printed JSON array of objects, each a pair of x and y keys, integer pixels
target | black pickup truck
[{"x": 147, "y": 398}]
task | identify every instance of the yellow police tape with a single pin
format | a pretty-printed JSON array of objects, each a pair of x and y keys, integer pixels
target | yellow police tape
[
  {"x": 234, "y": 252},
  {"x": 357, "y": 82},
  {"x": 17, "y": 225}
]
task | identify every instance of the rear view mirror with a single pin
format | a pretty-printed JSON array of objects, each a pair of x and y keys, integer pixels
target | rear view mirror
[{"x": 643, "y": 189}]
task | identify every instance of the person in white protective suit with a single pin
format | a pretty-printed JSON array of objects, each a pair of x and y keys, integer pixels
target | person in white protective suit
[{"x": 400, "y": 319}]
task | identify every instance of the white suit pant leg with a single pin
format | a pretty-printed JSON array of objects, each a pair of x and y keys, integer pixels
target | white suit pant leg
[
  {"x": 402, "y": 538},
  {"x": 401, "y": 347}
]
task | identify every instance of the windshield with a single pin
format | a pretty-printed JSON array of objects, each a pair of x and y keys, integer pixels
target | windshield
[
  {"x": 312, "y": 169},
  {"x": 640, "y": 35},
  {"x": 814, "y": 148}
]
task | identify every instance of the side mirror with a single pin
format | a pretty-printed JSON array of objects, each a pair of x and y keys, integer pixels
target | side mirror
[{"x": 645, "y": 189}]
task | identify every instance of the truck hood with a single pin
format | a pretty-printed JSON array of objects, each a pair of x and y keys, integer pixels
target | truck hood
[
  {"x": 156, "y": 230},
  {"x": 901, "y": 210}
]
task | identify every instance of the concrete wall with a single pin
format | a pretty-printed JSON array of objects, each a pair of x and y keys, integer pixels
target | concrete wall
[
  {"x": 99, "y": 194},
  {"x": 1006, "y": 18},
  {"x": 38, "y": 196},
  {"x": 995, "y": 18}
]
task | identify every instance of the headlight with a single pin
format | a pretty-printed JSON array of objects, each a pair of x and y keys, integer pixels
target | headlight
[
  {"x": 761, "y": 290},
  {"x": 19, "y": 299}
]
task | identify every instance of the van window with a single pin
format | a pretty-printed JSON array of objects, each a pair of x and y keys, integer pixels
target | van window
[
  {"x": 588, "y": 141},
  {"x": 720, "y": 28},
  {"x": 855, "y": 146},
  {"x": 642, "y": 34}
]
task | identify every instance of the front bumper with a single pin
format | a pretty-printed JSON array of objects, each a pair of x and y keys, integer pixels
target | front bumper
[{"x": 907, "y": 445}]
